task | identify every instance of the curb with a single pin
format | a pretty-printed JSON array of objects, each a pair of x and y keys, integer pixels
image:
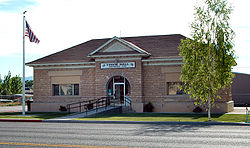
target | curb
[
  {"x": 20, "y": 120},
  {"x": 128, "y": 122},
  {"x": 147, "y": 122}
]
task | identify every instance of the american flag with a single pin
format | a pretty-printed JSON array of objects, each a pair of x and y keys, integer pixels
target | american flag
[{"x": 29, "y": 33}]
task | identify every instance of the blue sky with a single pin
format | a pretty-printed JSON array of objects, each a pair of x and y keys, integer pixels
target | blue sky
[
  {"x": 60, "y": 24},
  {"x": 15, "y": 5}
]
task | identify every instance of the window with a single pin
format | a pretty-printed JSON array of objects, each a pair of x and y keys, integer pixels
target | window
[
  {"x": 65, "y": 89},
  {"x": 173, "y": 88}
]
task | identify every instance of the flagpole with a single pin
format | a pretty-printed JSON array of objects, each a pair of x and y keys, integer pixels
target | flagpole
[{"x": 24, "y": 23}]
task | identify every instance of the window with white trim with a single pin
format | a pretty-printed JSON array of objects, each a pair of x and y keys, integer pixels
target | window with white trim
[
  {"x": 173, "y": 88},
  {"x": 65, "y": 89}
]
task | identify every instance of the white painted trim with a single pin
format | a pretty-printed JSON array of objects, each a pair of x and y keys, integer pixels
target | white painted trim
[
  {"x": 121, "y": 59},
  {"x": 66, "y": 67},
  {"x": 163, "y": 64},
  {"x": 122, "y": 41},
  {"x": 122, "y": 55},
  {"x": 159, "y": 60},
  {"x": 99, "y": 48},
  {"x": 54, "y": 64}
]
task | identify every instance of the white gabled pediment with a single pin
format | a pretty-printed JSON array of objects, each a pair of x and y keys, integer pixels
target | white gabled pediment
[{"x": 117, "y": 47}]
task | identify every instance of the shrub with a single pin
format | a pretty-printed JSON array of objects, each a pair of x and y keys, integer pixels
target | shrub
[
  {"x": 62, "y": 108},
  {"x": 197, "y": 110},
  {"x": 148, "y": 107}
]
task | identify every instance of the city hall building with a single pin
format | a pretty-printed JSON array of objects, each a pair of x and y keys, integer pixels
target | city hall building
[{"x": 145, "y": 69}]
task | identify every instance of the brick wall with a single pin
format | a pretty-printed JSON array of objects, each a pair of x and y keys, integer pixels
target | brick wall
[
  {"x": 133, "y": 75},
  {"x": 147, "y": 84},
  {"x": 43, "y": 97},
  {"x": 155, "y": 80}
]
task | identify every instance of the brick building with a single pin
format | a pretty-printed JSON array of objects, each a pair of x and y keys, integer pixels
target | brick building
[
  {"x": 145, "y": 69},
  {"x": 241, "y": 89}
]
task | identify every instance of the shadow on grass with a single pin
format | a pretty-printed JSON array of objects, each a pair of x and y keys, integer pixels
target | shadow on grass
[
  {"x": 168, "y": 117},
  {"x": 193, "y": 116},
  {"x": 32, "y": 115}
]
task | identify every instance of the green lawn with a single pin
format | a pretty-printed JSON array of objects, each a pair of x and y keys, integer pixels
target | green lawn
[
  {"x": 168, "y": 117},
  {"x": 133, "y": 117},
  {"x": 39, "y": 115},
  {"x": 10, "y": 104}
]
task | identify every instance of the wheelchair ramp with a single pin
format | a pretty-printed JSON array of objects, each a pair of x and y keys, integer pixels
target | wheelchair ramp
[{"x": 101, "y": 110}]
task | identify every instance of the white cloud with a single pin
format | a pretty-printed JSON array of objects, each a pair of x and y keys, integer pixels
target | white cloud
[
  {"x": 10, "y": 34},
  {"x": 60, "y": 24}
]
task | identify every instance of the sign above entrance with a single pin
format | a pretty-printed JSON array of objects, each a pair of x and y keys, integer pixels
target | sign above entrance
[{"x": 118, "y": 65}]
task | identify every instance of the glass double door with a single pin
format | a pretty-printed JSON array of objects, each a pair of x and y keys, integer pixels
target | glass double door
[{"x": 119, "y": 89}]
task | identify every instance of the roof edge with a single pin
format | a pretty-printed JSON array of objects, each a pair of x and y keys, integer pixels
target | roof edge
[
  {"x": 59, "y": 64},
  {"x": 134, "y": 47}
]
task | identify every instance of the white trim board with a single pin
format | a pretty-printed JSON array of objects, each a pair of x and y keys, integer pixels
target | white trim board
[
  {"x": 118, "y": 55},
  {"x": 119, "y": 59},
  {"x": 163, "y": 64},
  {"x": 56, "y": 64},
  {"x": 66, "y": 67},
  {"x": 159, "y": 60}
]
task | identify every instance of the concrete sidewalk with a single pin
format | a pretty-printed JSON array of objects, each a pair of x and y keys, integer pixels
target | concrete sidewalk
[
  {"x": 4, "y": 109},
  {"x": 239, "y": 110}
]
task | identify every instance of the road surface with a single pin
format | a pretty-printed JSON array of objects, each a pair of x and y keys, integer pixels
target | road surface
[{"x": 125, "y": 135}]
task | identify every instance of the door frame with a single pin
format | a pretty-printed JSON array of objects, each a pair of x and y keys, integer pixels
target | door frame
[{"x": 124, "y": 89}]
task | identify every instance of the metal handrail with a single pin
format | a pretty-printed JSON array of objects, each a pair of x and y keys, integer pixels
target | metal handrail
[
  {"x": 128, "y": 100},
  {"x": 90, "y": 104}
]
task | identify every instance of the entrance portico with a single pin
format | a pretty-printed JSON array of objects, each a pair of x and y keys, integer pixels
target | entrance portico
[
  {"x": 118, "y": 87},
  {"x": 118, "y": 71}
]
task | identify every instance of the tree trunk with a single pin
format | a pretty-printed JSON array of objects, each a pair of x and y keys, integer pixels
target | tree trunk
[{"x": 209, "y": 108}]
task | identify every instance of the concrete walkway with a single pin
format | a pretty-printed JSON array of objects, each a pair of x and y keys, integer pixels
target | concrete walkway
[
  {"x": 239, "y": 110},
  {"x": 11, "y": 109}
]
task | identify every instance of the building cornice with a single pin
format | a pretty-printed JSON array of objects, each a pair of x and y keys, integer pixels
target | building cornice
[
  {"x": 60, "y": 64},
  {"x": 163, "y": 64},
  {"x": 66, "y": 67},
  {"x": 163, "y": 59},
  {"x": 146, "y": 62},
  {"x": 118, "y": 55},
  {"x": 120, "y": 59}
]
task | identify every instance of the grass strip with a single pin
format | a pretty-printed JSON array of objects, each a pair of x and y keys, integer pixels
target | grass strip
[
  {"x": 32, "y": 115},
  {"x": 168, "y": 117},
  {"x": 10, "y": 104}
]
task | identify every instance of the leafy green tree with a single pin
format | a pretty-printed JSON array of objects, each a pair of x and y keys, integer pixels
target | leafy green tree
[
  {"x": 6, "y": 86},
  {"x": 16, "y": 85},
  {"x": 208, "y": 56},
  {"x": 29, "y": 83},
  {"x": 10, "y": 85}
]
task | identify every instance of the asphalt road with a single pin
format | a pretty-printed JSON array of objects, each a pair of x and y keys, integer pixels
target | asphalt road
[{"x": 25, "y": 134}]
